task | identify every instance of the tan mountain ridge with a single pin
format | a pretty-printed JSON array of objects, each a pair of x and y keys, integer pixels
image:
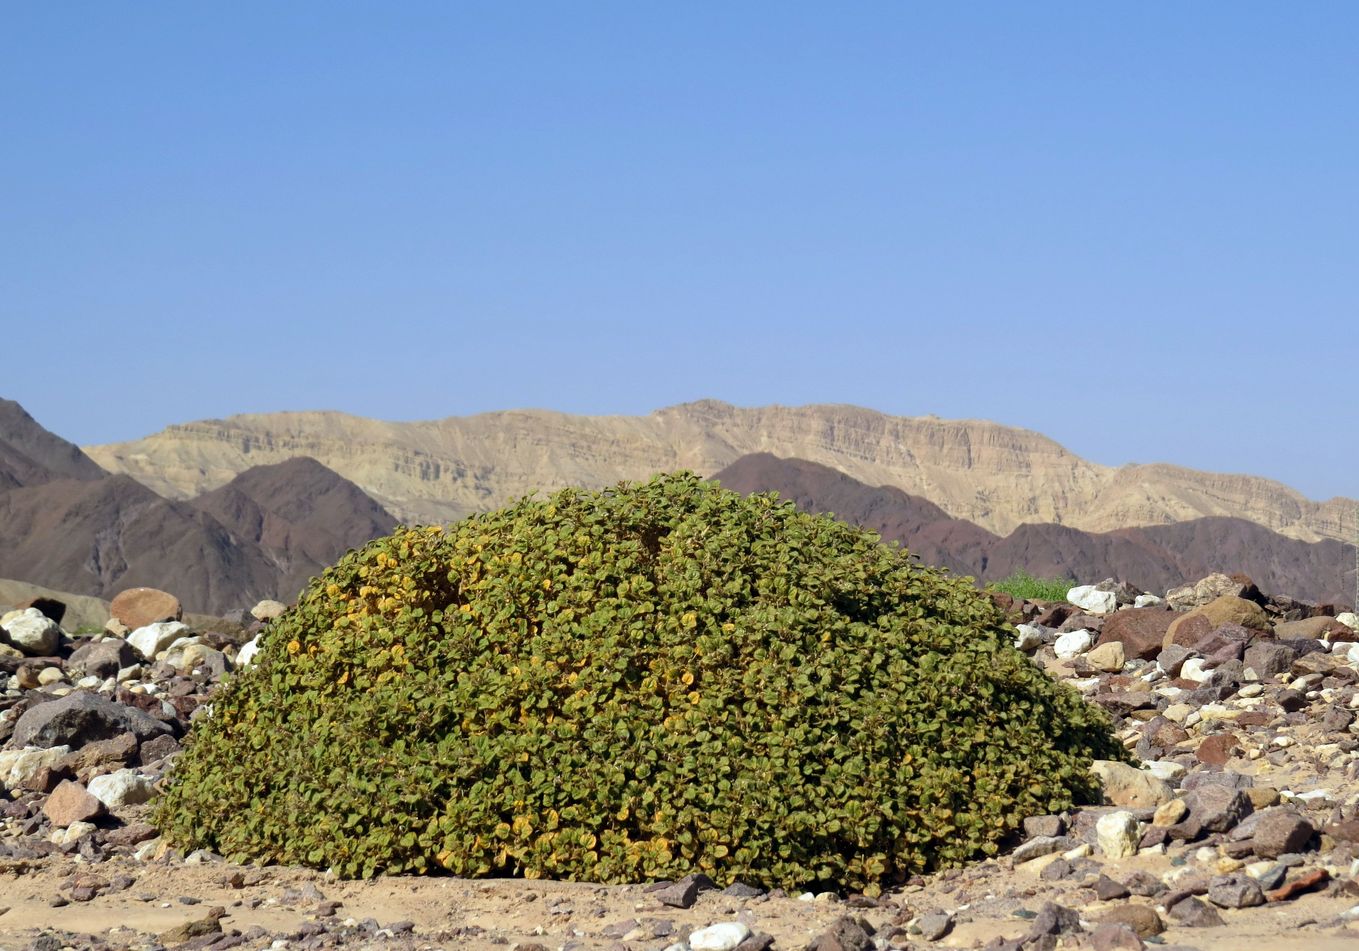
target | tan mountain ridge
[{"x": 996, "y": 476}]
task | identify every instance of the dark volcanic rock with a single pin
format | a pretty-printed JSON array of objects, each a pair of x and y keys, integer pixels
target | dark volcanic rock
[{"x": 79, "y": 718}]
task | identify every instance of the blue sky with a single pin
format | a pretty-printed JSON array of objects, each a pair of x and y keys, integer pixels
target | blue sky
[{"x": 1132, "y": 227}]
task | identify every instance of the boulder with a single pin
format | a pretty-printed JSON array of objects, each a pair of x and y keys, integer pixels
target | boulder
[
  {"x": 150, "y": 639},
  {"x": 1196, "y": 626},
  {"x": 34, "y": 633},
  {"x": 1128, "y": 786},
  {"x": 79, "y": 718},
  {"x": 1141, "y": 631},
  {"x": 101, "y": 658},
  {"x": 1092, "y": 600},
  {"x": 1276, "y": 831},
  {"x": 70, "y": 803},
  {"x": 126, "y": 787},
  {"x": 1315, "y": 628},
  {"x": 1189, "y": 596},
  {"x": 138, "y": 607},
  {"x": 17, "y": 767},
  {"x": 1117, "y": 835},
  {"x": 1109, "y": 658},
  {"x": 267, "y": 610},
  {"x": 1072, "y": 643},
  {"x": 1269, "y": 658}
]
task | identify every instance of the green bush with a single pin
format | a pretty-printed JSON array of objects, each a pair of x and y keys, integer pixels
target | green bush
[
  {"x": 628, "y": 685},
  {"x": 1026, "y": 587}
]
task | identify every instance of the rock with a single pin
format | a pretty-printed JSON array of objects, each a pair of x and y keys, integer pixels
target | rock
[
  {"x": 1310, "y": 881},
  {"x": 269, "y": 609},
  {"x": 1269, "y": 658},
  {"x": 1040, "y": 846},
  {"x": 1106, "y": 889},
  {"x": 1092, "y": 600},
  {"x": 101, "y": 658},
  {"x": 1044, "y": 826},
  {"x": 19, "y": 766},
  {"x": 192, "y": 657},
  {"x": 1203, "y": 591},
  {"x": 1118, "y": 835},
  {"x": 126, "y": 787},
  {"x": 1193, "y": 913},
  {"x": 1128, "y": 786},
  {"x": 150, "y": 639},
  {"x": 199, "y": 928},
  {"x": 724, "y": 936},
  {"x": 1321, "y": 627},
  {"x": 1053, "y": 919},
  {"x": 157, "y": 748},
  {"x": 138, "y": 607},
  {"x": 844, "y": 934},
  {"x": 1278, "y": 831},
  {"x": 246, "y": 655},
  {"x": 934, "y": 926},
  {"x": 1028, "y": 637},
  {"x": 1169, "y": 813},
  {"x": 1216, "y": 808},
  {"x": 683, "y": 893},
  {"x": 1198, "y": 625},
  {"x": 1141, "y": 631},
  {"x": 1070, "y": 644},
  {"x": 1235, "y": 891},
  {"x": 1142, "y": 919},
  {"x": 79, "y": 718},
  {"x": 1349, "y": 619},
  {"x": 1107, "y": 657},
  {"x": 70, "y": 803},
  {"x": 1217, "y": 750},
  {"x": 1115, "y": 937},
  {"x": 34, "y": 633}
]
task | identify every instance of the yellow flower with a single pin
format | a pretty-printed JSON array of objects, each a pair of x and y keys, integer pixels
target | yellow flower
[{"x": 294, "y": 646}]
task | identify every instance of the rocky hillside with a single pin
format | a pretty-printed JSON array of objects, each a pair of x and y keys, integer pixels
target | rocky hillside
[
  {"x": 66, "y": 523},
  {"x": 995, "y": 476},
  {"x": 1153, "y": 557}
]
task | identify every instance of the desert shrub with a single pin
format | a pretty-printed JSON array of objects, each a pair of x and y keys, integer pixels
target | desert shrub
[
  {"x": 634, "y": 684},
  {"x": 1026, "y": 587}
]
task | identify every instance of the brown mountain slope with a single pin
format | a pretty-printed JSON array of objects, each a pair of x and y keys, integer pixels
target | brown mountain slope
[
  {"x": 995, "y": 476},
  {"x": 1154, "y": 558},
  {"x": 102, "y": 536},
  {"x": 303, "y": 515},
  {"x": 30, "y": 455},
  {"x": 67, "y": 524}
]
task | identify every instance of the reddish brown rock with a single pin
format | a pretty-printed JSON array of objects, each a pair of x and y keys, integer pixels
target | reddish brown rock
[
  {"x": 1189, "y": 629},
  {"x": 71, "y": 802},
  {"x": 138, "y": 607},
  {"x": 1218, "y": 749},
  {"x": 1141, "y": 631},
  {"x": 1311, "y": 881}
]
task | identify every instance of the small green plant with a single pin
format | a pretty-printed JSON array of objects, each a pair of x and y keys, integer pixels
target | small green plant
[
  {"x": 1026, "y": 587},
  {"x": 632, "y": 685}
]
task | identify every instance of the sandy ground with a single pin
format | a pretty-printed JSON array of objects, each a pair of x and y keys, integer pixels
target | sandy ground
[{"x": 497, "y": 914}]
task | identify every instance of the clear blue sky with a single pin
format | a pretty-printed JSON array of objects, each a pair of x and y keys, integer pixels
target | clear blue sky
[{"x": 1132, "y": 227}]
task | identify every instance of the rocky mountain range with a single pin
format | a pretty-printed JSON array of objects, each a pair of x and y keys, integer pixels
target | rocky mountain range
[
  {"x": 224, "y": 513},
  {"x": 994, "y": 476},
  {"x": 68, "y": 524},
  {"x": 1154, "y": 558}
]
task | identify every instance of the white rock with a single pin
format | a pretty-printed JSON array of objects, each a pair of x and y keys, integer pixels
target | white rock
[
  {"x": 723, "y": 936},
  {"x": 1349, "y": 619},
  {"x": 71, "y": 833},
  {"x": 146, "y": 852},
  {"x": 33, "y": 632},
  {"x": 246, "y": 655},
  {"x": 1118, "y": 835},
  {"x": 1028, "y": 637},
  {"x": 50, "y": 675},
  {"x": 1071, "y": 643},
  {"x": 1352, "y": 655},
  {"x": 1147, "y": 601},
  {"x": 1193, "y": 670},
  {"x": 1079, "y": 852},
  {"x": 1092, "y": 600},
  {"x": 18, "y": 765},
  {"x": 154, "y": 638},
  {"x": 267, "y": 610},
  {"x": 1164, "y": 770},
  {"x": 1251, "y": 690},
  {"x": 126, "y": 787}
]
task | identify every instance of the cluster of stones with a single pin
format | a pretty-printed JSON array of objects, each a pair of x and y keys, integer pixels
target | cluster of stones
[
  {"x": 1241, "y": 710},
  {"x": 1239, "y": 707}
]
